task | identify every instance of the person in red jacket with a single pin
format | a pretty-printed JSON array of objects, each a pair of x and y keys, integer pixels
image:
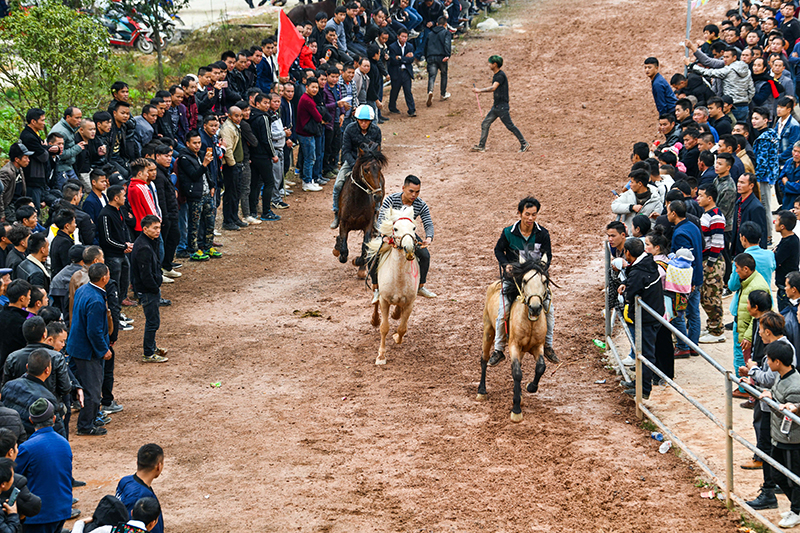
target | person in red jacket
[
  {"x": 309, "y": 119},
  {"x": 140, "y": 196}
]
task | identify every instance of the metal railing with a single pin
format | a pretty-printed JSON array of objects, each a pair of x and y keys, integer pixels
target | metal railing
[{"x": 729, "y": 379}]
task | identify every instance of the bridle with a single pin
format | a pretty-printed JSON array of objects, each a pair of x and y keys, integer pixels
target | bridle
[
  {"x": 526, "y": 300},
  {"x": 366, "y": 187},
  {"x": 394, "y": 242}
]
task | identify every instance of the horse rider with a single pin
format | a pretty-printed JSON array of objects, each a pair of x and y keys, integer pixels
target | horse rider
[
  {"x": 363, "y": 130},
  {"x": 409, "y": 197},
  {"x": 523, "y": 241}
]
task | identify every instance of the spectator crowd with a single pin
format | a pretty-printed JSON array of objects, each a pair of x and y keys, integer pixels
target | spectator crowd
[
  {"x": 97, "y": 211},
  {"x": 710, "y": 212}
]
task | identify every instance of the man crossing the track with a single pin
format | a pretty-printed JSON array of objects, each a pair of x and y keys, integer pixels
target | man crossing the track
[
  {"x": 525, "y": 240},
  {"x": 409, "y": 197}
]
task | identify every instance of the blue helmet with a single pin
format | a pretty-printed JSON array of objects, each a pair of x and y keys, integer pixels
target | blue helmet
[{"x": 365, "y": 112}]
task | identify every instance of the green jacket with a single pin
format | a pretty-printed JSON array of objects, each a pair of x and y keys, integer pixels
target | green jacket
[{"x": 744, "y": 322}]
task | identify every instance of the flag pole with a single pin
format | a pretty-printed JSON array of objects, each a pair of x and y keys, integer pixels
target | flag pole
[
  {"x": 688, "y": 31},
  {"x": 740, "y": 8}
]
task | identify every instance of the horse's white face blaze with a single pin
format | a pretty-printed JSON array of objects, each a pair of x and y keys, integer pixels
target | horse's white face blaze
[
  {"x": 533, "y": 286},
  {"x": 404, "y": 236}
]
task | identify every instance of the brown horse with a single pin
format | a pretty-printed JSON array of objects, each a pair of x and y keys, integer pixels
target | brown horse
[
  {"x": 303, "y": 12},
  {"x": 360, "y": 199},
  {"x": 527, "y": 327}
]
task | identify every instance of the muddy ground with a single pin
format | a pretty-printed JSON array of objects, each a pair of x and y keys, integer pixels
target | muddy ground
[{"x": 307, "y": 434}]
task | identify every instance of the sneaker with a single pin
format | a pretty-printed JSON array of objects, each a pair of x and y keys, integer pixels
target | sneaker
[
  {"x": 682, "y": 354},
  {"x": 766, "y": 500},
  {"x": 76, "y": 405},
  {"x": 111, "y": 409},
  {"x": 446, "y": 96},
  {"x": 181, "y": 255},
  {"x": 94, "y": 432},
  {"x": 413, "y": 34},
  {"x": 199, "y": 255},
  {"x": 790, "y": 520},
  {"x": 280, "y": 205},
  {"x": 162, "y": 351},
  {"x": 708, "y": 338},
  {"x": 163, "y": 302},
  {"x": 124, "y": 318},
  {"x": 75, "y": 513},
  {"x": 525, "y": 147},
  {"x": 154, "y": 359},
  {"x": 627, "y": 384},
  {"x": 703, "y": 332},
  {"x": 217, "y": 233},
  {"x": 76, "y": 483},
  {"x": 477, "y": 148},
  {"x": 216, "y": 244},
  {"x": 729, "y": 326},
  {"x": 176, "y": 266},
  {"x": 124, "y": 326},
  {"x": 629, "y": 361},
  {"x": 252, "y": 220},
  {"x": 750, "y": 403},
  {"x": 321, "y": 181},
  {"x": 213, "y": 252},
  {"x": 496, "y": 358},
  {"x": 412, "y": 113},
  {"x": 167, "y": 280},
  {"x": 230, "y": 227},
  {"x": 726, "y": 292},
  {"x": 270, "y": 217},
  {"x": 424, "y": 292},
  {"x": 429, "y": 101},
  {"x": 752, "y": 464},
  {"x": 171, "y": 273},
  {"x": 102, "y": 421},
  {"x": 127, "y": 302},
  {"x": 632, "y": 394},
  {"x": 289, "y": 183},
  {"x": 311, "y": 187}
]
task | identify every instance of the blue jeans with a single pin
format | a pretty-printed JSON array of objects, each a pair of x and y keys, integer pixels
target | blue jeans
[
  {"x": 692, "y": 317},
  {"x": 183, "y": 227},
  {"x": 740, "y": 112},
  {"x": 308, "y": 147},
  {"x": 414, "y": 18},
  {"x": 319, "y": 145},
  {"x": 419, "y": 44}
]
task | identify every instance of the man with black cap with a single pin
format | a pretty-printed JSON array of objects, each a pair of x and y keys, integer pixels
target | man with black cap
[
  {"x": 46, "y": 460},
  {"x": 10, "y": 175}
]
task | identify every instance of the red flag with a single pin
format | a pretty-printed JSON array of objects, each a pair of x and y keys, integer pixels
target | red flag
[{"x": 289, "y": 44}]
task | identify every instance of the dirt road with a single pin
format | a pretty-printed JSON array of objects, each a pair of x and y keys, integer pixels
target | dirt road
[{"x": 307, "y": 434}]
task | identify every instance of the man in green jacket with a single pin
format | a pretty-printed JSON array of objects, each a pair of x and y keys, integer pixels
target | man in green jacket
[{"x": 751, "y": 281}]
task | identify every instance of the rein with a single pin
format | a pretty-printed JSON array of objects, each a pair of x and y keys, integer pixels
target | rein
[{"x": 366, "y": 187}]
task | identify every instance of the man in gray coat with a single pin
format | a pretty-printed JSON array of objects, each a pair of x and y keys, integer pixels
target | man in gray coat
[
  {"x": 736, "y": 79},
  {"x": 67, "y": 127}
]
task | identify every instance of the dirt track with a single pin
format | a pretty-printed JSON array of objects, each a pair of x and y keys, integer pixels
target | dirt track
[{"x": 307, "y": 434}]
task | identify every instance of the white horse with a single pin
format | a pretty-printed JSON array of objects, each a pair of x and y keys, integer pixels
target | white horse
[{"x": 398, "y": 273}]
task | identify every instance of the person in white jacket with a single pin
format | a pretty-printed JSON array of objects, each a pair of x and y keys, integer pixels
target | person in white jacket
[{"x": 642, "y": 198}]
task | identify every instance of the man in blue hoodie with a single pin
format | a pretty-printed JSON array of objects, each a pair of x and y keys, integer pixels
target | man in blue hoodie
[
  {"x": 662, "y": 92},
  {"x": 687, "y": 235},
  {"x": 130, "y": 489}
]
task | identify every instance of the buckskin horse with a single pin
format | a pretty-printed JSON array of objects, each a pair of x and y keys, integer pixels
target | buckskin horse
[
  {"x": 398, "y": 273},
  {"x": 527, "y": 326},
  {"x": 360, "y": 199}
]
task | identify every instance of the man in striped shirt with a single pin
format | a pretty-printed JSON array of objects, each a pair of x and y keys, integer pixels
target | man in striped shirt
[
  {"x": 712, "y": 224},
  {"x": 410, "y": 197}
]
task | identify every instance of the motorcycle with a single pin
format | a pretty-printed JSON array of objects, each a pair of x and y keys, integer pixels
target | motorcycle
[{"x": 124, "y": 31}]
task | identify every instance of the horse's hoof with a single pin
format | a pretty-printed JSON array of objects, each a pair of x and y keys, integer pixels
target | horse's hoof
[
  {"x": 397, "y": 338},
  {"x": 532, "y": 387},
  {"x": 342, "y": 258},
  {"x": 335, "y": 252},
  {"x": 355, "y": 261},
  {"x": 379, "y": 361},
  {"x": 362, "y": 273},
  {"x": 516, "y": 417},
  {"x": 481, "y": 397}
]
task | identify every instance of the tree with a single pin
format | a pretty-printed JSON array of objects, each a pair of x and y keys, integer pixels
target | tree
[
  {"x": 157, "y": 15},
  {"x": 53, "y": 57}
]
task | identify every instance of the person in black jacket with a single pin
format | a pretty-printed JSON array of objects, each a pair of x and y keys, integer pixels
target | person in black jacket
[
  {"x": 147, "y": 279},
  {"x": 114, "y": 238},
  {"x": 430, "y": 11},
  {"x": 198, "y": 188},
  {"x": 642, "y": 279},
  {"x": 37, "y": 171},
  {"x": 64, "y": 220},
  {"x": 168, "y": 204},
  {"x": 122, "y": 148},
  {"x": 262, "y": 156},
  {"x": 437, "y": 54},
  {"x": 747, "y": 208}
]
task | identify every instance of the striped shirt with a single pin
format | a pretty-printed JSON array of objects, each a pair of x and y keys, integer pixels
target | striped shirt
[
  {"x": 712, "y": 223},
  {"x": 395, "y": 201}
]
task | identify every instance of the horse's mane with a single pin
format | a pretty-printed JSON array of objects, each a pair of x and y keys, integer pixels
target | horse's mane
[
  {"x": 518, "y": 271},
  {"x": 370, "y": 153},
  {"x": 386, "y": 228}
]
